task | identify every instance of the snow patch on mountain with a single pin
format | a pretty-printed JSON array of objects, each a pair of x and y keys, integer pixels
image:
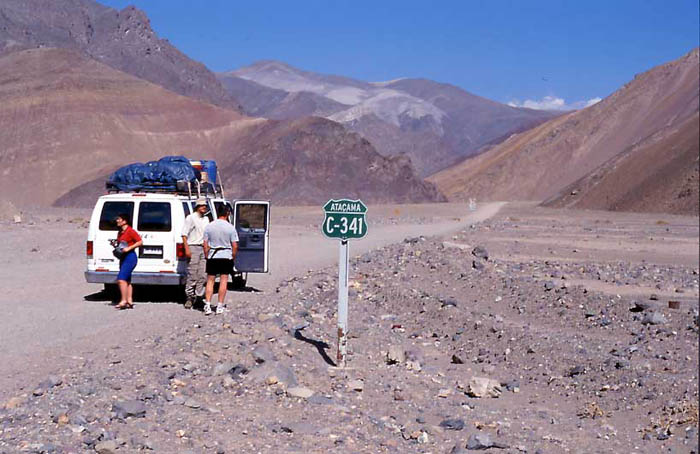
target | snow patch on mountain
[
  {"x": 391, "y": 106},
  {"x": 387, "y": 104}
]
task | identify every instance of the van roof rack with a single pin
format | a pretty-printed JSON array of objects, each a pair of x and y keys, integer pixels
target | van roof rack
[{"x": 192, "y": 189}]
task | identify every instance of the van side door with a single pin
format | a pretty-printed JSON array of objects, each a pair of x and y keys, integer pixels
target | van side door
[{"x": 252, "y": 222}]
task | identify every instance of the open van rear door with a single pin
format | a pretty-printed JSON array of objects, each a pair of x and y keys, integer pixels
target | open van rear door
[{"x": 252, "y": 222}]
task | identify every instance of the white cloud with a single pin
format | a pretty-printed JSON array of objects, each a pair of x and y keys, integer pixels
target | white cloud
[{"x": 553, "y": 103}]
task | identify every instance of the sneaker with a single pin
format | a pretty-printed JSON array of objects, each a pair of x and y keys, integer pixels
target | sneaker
[
  {"x": 220, "y": 309},
  {"x": 207, "y": 309},
  {"x": 188, "y": 304}
]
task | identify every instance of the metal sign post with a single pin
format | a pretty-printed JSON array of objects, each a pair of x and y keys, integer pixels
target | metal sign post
[
  {"x": 343, "y": 271},
  {"x": 344, "y": 220}
]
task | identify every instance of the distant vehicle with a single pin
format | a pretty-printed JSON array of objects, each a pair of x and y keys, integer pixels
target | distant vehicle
[{"x": 158, "y": 215}]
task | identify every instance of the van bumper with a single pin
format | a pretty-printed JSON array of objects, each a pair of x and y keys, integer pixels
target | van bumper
[{"x": 110, "y": 277}]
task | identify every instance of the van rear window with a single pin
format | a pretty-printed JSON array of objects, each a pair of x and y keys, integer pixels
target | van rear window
[
  {"x": 154, "y": 217},
  {"x": 110, "y": 210}
]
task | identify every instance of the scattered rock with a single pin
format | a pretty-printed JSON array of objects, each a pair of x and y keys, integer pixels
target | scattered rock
[
  {"x": 13, "y": 403},
  {"x": 653, "y": 318},
  {"x": 262, "y": 354},
  {"x": 576, "y": 370},
  {"x": 640, "y": 306},
  {"x": 480, "y": 252},
  {"x": 300, "y": 391},
  {"x": 356, "y": 385},
  {"x": 452, "y": 424},
  {"x": 483, "y": 387},
  {"x": 395, "y": 355},
  {"x": 129, "y": 408},
  {"x": 106, "y": 447},
  {"x": 482, "y": 441}
]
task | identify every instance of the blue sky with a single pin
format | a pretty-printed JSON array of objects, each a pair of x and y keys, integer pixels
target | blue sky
[{"x": 546, "y": 51}]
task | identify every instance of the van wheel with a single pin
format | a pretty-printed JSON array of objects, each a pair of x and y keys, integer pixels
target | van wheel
[{"x": 238, "y": 282}]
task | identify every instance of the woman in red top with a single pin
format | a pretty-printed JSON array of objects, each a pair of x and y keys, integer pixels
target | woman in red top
[{"x": 128, "y": 260}]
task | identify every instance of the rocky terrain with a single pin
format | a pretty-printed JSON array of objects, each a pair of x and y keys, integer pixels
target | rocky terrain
[
  {"x": 434, "y": 124},
  {"x": 538, "y": 331},
  {"x": 635, "y": 150}
]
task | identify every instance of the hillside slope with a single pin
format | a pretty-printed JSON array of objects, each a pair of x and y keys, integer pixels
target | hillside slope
[
  {"x": 658, "y": 175},
  {"x": 538, "y": 164},
  {"x": 68, "y": 121}
]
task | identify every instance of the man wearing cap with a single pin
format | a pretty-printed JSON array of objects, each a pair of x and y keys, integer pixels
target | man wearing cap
[{"x": 193, "y": 238}]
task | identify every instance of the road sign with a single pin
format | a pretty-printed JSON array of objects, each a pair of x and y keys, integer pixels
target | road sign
[{"x": 345, "y": 219}]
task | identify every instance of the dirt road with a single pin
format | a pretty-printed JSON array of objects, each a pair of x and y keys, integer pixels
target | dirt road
[{"x": 48, "y": 318}]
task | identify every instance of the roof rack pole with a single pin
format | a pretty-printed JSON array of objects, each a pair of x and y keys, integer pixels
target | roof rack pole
[
  {"x": 221, "y": 183},
  {"x": 189, "y": 190},
  {"x": 199, "y": 190}
]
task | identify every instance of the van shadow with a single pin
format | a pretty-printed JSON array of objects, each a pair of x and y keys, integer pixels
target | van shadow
[
  {"x": 235, "y": 288},
  {"x": 156, "y": 293},
  {"x": 320, "y": 346},
  {"x": 142, "y": 294}
]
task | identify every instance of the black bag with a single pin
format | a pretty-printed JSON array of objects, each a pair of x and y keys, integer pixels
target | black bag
[{"x": 119, "y": 247}]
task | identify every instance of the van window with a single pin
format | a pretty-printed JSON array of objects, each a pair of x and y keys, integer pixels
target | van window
[
  {"x": 251, "y": 217},
  {"x": 186, "y": 207},
  {"x": 110, "y": 210},
  {"x": 154, "y": 217}
]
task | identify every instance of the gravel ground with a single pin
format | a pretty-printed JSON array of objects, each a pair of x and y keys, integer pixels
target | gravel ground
[{"x": 537, "y": 331}]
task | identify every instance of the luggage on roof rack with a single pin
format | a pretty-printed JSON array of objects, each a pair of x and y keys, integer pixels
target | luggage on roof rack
[
  {"x": 168, "y": 174},
  {"x": 207, "y": 170}
]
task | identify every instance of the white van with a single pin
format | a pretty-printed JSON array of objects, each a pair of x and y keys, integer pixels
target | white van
[{"x": 158, "y": 217}]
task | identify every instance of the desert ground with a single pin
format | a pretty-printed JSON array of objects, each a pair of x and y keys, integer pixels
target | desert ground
[{"x": 512, "y": 328}]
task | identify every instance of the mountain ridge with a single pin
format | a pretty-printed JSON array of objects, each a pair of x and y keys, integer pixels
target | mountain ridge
[{"x": 392, "y": 115}]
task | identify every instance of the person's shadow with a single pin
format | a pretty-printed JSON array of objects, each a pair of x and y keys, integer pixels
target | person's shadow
[{"x": 320, "y": 346}]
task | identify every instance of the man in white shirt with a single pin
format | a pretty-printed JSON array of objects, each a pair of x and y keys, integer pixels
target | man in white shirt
[
  {"x": 220, "y": 247},
  {"x": 193, "y": 239}
]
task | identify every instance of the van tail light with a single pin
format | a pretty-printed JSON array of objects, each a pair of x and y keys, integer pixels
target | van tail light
[
  {"x": 88, "y": 249},
  {"x": 180, "y": 251}
]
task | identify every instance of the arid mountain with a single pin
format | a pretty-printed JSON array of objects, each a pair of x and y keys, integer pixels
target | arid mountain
[
  {"x": 624, "y": 130},
  {"x": 121, "y": 39},
  {"x": 311, "y": 159},
  {"x": 660, "y": 174},
  {"x": 434, "y": 124},
  {"x": 68, "y": 121}
]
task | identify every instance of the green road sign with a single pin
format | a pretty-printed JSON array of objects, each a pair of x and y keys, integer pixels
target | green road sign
[{"x": 345, "y": 219}]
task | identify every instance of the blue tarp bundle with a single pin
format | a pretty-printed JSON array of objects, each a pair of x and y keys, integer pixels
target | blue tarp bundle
[{"x": 162, "y": 174}]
